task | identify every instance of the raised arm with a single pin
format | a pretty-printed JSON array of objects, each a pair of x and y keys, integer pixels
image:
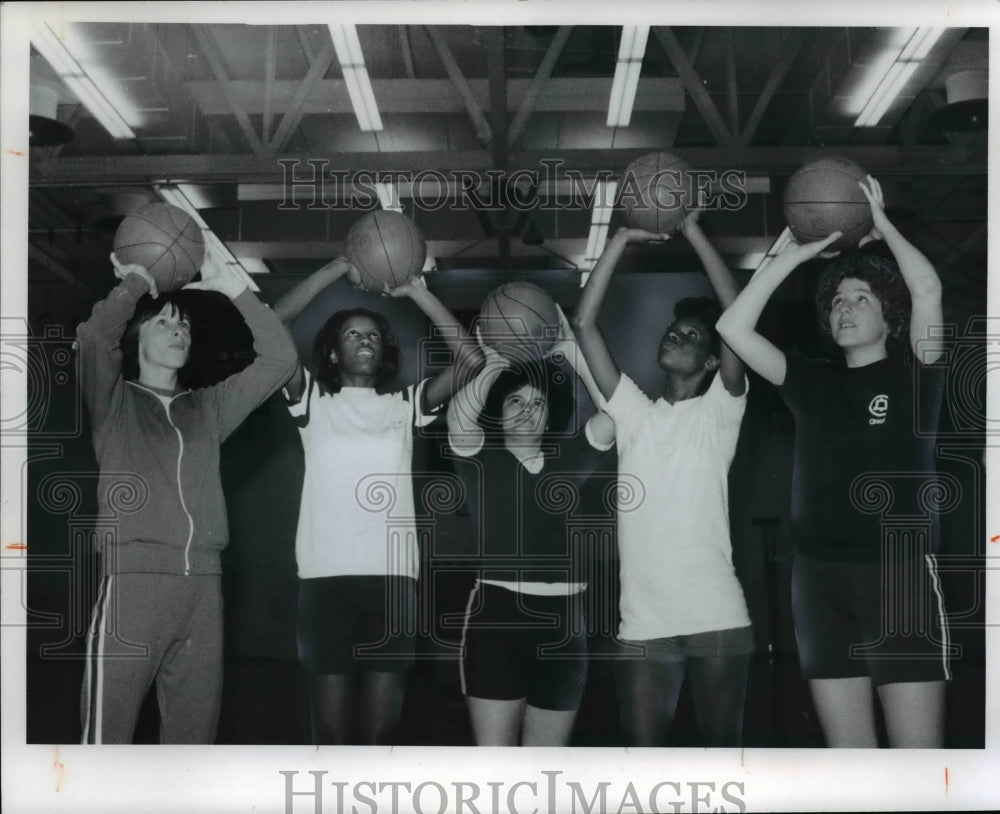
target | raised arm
[
  {"x": 595, "y": 349},
  {"x": 295, "y": 301},
  {"x": 602, "y": 426},
  {"x": 467, "y": 356},
  {"x": 919, "y": 275},
  {"x": 99, "y": 338},
  {"x": 724, "y": 284},
  {"x": 238, "y": 395},
  {"x": 464, "y": 433},
  {"x": 738, "y": 323}
]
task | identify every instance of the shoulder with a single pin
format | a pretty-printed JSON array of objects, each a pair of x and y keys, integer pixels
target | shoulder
[
  {"x": 628, "y": 396},
  {"x": 718, "y": 393},
  {"x": 802, "y": 372}
]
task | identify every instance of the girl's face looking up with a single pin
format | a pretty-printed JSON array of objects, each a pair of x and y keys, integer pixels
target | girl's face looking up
[
  {"x": 856, "y": 315},
  {"x": 165, "y": 339},
  {"x": 525, "y": 411},
  {"x": 358, "y": 349},
  {"x": 686, "y": 347}
]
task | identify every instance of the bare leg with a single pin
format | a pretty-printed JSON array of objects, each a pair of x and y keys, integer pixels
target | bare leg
[
  {"x": 547, "y": 727},
  {"x": 914, "y": 714},
  {"x": 846, "y": 711},
  {"x": 496, "y": 722},
  {"x": 331, "y": 703},
  {"x": 381, "y": 707}
]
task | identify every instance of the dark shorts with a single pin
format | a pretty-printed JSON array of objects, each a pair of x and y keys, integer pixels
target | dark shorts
[
  {"x": 517, "y": 645},
  {"x": 859, "y": 619},
  {"x": 734, "y": 641},
  {"x": 357, "y": 623}
]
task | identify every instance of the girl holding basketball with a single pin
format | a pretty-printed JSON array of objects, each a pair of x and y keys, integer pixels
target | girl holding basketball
[
  {"x": 159, "y": 613},
  {"x": 524, "y": 641},
  {"x": 356, "y": 545},
  {"x": 683, "y": 614},
  {"x": 855, "y": 424}
]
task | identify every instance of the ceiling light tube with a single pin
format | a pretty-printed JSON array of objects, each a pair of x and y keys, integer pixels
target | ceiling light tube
[
  {"x": 600, "y": 220},
  {"x": 76, "y": 78},
  {"x": 897, "y": 74},
  {"x": 921, "y": 43},
  {"x": 388, "y": 196},
  {"x": 627, "y": 71},
  {"x": 357, "y": 99},
  {"x": 893, "y": 85},
  {"x": 49, "y": 46},
  {"x": 99, "y": 107},
  {"x": 347, "y": 44}
]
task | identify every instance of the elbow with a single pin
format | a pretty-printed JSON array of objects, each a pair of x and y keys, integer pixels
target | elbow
[
  {"x": 287, "y": 360},
  {"x": 581, "y": 322},
  {"x": 724, "y": 327},
  {"x": 928, "y": 289}
]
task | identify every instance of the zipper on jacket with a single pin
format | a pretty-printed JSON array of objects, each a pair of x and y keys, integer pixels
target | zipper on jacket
[
  {"x": 180, "y": 491},
  {"x": 180, "y": 459}
]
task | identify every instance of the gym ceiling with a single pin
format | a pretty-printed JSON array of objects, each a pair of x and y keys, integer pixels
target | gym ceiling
[{"x": 229, "y": 113}]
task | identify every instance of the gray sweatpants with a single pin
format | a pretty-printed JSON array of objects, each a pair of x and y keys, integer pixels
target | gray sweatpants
[{"x": 158, "y": 627}]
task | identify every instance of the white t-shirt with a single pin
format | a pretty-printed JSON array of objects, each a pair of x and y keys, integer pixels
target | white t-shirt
[
  {"x": 677, "y": 574},
  {"x": 357, "y": 513}
]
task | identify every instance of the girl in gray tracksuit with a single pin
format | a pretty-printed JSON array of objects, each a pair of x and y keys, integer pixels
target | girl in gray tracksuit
[{"x": 158, "y": 614}]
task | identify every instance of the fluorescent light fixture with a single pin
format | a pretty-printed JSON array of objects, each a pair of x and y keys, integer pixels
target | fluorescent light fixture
[
  {"x": 174, "y": 194},
  {"x": 359, "y": 85},
  {"x": 51, "y": 47},
  {"x": 627, "y": 70},
  {"x": 388, "y": 196},
  {"x": 779, "y": 245},
  {"x": 600, "y": 220},
  {"x": 892, "y": 72}
]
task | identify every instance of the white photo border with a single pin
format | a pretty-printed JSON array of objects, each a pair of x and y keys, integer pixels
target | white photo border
[{"x": 72, "y": 778}]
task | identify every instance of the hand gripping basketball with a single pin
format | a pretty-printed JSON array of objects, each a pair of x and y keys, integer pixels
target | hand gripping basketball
[{"x": 122, "y": 270}]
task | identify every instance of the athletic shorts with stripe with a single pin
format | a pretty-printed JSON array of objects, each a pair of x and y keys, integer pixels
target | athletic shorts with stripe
[
  {"x": 866, "y": 619},
  {"x": 520, "y": 645}
]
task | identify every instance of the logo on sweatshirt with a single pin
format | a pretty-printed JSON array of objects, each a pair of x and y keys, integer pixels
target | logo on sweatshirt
[{"x": 879, "y": 408}]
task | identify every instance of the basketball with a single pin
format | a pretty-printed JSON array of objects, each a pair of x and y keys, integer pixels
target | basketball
[
  {"x": 164, "y": 239},
  {"x": 824, "y": 197},
  {"x": 519, "y": 319},
  {"x": 386, "y": 248},
  {"x": 656, "y": 193}
]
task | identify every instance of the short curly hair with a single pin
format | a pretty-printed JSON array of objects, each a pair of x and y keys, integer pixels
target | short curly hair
[
  {"x": 328, "y": 372},
  {"x": 549, "y": 379},
  {"x": 885, "y": 281}
]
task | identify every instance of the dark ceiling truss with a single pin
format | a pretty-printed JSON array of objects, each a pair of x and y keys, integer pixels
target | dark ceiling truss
[
  {"x": 695, "y": 87},
  {"x": 270, "y": 69},
  {"x": 320, "y": 64},
  {"x": 205, "y": 37},
  {"x": 542, "y": 75},
  {"x": 472, "y": 107},
  {"x": 794, "y": 42}
]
